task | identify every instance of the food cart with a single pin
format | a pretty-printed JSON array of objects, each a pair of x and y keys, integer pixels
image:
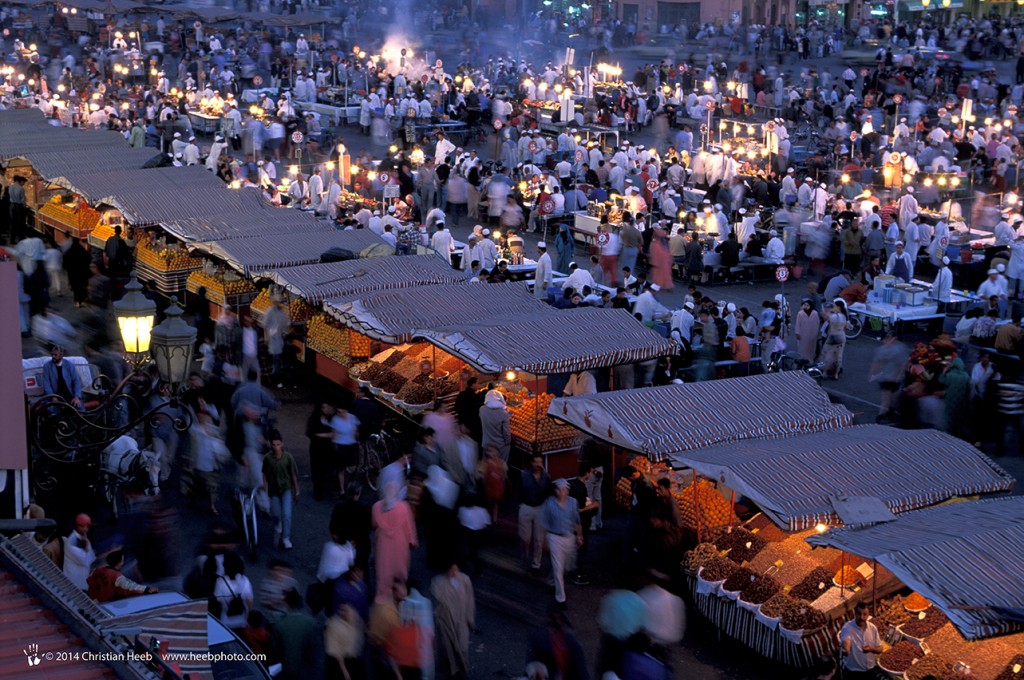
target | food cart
[{"x": 963, "y": 561}]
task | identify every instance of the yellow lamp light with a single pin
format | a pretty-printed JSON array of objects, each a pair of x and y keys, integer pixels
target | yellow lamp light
[
  {"x": 955, "y": 181},
  {"x": 511, "y": 376},
  {"x": 927, "y": 181},
  {"x": 942, "y": 181},
  {"x": 845, "y": 179},
  {"x": 135, "y": 316}
]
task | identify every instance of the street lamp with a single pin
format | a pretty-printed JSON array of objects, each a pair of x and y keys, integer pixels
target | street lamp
[
  {"x": 64, "y": 433},
  {"x": 172, "y": 344},
  {"x": 135, "y": 315}
]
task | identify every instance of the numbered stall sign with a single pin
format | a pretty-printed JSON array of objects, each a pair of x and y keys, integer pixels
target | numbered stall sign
[{"x": 782, "y": 274}]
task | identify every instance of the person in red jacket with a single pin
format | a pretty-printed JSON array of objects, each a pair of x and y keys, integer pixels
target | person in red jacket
[{"x": 107, "y": 583}]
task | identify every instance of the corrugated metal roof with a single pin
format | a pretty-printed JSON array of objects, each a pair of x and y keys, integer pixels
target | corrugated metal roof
[
  {"x": 317, "y": 282},
  {"x": 397, "y": 315},
  {"x": 963, "y": 557},
  {"x": 568, "y": 341},
  {"x": 252, "y": 256},
  {"x": 794, "y": 479},
  {"x": 659, "y": 421},
  {"x": 252, "y": 218}
]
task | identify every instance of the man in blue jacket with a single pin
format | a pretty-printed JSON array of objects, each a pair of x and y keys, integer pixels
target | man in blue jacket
[{"x": 61, "y": 378}]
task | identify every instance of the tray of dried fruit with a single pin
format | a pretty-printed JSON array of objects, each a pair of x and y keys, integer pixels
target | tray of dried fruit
[{"x": 898, "y": 658}]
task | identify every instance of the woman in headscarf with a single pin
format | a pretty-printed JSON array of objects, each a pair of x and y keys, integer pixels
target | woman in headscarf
[
  {"x": 956, "y": 401},
  {"x": 566, "y": 248},
  {"x": 394, "y": 536},
  {"x": 807, "y": 326},
  {"x": 660, "y": 259},
  {"x": 494, "y": 422}
]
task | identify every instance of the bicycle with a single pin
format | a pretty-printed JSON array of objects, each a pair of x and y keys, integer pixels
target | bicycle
[
  {"x": 250, "y": 526},
  {"x": 376, "y": 453},
  {"x": 854, "y": 326}
]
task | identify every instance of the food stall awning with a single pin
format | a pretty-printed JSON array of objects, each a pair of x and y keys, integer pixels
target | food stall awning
[
  {"x": 253, "y": 219},
  {"x": 56, "y": 152},
  {"x": 565, "y": 342},
  {"x": 799, "y": 480},
  {"x": 252, "y": 256},
  {"x": 659, "y": 421},
  {"x": 317, "y": 282},
  {"x": 963, "y": 557},
  {"x": 396, "y": 316}
]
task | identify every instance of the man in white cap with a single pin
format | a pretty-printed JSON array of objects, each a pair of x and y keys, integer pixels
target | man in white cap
[
  {"x": 191, "y": 153},
  {"x": 578, "y": 278},
  {"x": 908, "y": 208},
  {"x": 442, "y": 242},
  {"x": 488, "y": 251},
  {"x": 819, "y": 201},
  {"x": 1004, "y": 233},
  {"x": 942, "y": 288},
  {"x": 216, "y": 149},
  {"x": 775, "y": 251},
  {"x": 787, "y": 194},
  {"x": 648, "y": 307},
  {"x": 900, "y": 265},
  {"x": 375, "y": 223},
  {"x": 994, "y": 285},
  {"x": 177, "y": 144},
  {"x": 542, "y": 277},
  {"x": 682, "y": 323},
  {"x": 804, "y": 194}
]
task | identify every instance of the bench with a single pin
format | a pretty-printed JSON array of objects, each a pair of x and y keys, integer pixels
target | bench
[{"x": 723, "y": 365}]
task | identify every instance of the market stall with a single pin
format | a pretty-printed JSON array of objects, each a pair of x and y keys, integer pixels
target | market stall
[
  {"x": 258, "y": 254},
  {"x": 660, "y": 421},
  {"x": 224, "y": 288},
  {"x": 165, "y": 263},
  {"x": 763, "y": 583},
  {"x": 533, "y": 348},
  {"x": 964, "y": 561}
]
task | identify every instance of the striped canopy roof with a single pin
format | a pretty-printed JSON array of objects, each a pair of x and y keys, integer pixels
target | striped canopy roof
[
  {"x": 184, "y": 626},
  {"x": 659, "y": 421},
  {"x": 317, "y": 282},
  {"x": 966, "y": 558},
  {"x": 258, "y": 254},
  {"x": 397, "y": 315},
  {"x": 794, "y": 480},
  {"x": 566, "y": 341}
]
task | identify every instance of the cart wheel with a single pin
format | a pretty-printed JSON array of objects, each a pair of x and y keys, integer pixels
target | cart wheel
[{"x": 854, "y": 326}]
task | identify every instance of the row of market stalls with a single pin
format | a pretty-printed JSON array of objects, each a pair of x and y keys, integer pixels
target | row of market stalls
[
  {"x": 410, "y": 328},
  {"x": 795, "y": 516}
]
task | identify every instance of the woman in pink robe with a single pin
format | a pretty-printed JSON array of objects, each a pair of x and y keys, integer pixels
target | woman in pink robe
[
  {"x": 660, "y": 260},
  {"x": 394, "y": 537}
]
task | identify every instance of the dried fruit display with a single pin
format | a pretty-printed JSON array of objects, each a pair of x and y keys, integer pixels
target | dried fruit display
[
  {"x": 718, "y": 569},
  {"x": 741, "y": 543},
  {"x": 986, "y": 658},
  {"x": 847, "y": 576},
  {"x": 415, "y": 393},
  {"x": 806, "y": 618},
  {"x": 916, "y": 602},
  {"x": 779, "y": 605},
  {"x": 407, "y": 367},
  {"x": 759, "y": 590},
  {"x": 900, "y": 657},
  {"x": 699, "y": 556},
  {"x": 924, "y": 624},
  {"x": 389, "y": 382},
  {"x": 324, "y": 337},
  {"x": 531, "y": 422},
  {"x": 393, "y": 359},
  {"x": 372, "y": 372},
  {"x": 813, "y": 586},
  {"x": 708, "y": 509},
  {"x": 889, "y": 612},
  {"x": 1014, "y": 669},
  {"x": 738, "y": 580},
  {"x": 934, "y": 665}
]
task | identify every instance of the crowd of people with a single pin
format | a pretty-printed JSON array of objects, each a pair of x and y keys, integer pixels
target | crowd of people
[{"x": 886, "y": 164}]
